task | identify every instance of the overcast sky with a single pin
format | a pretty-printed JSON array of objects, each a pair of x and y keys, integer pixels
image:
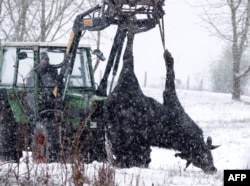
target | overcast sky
[{"x": 191, "y": 46}]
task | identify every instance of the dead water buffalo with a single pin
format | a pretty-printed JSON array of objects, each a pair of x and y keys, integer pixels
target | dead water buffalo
[{"x": 135, "y": 122}]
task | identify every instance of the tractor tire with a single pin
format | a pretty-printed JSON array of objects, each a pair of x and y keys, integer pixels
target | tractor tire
[
  {"x": 45, "y": 143},
  {"x": 8, "y": 131},
  {"x": 8, "y": 142}
]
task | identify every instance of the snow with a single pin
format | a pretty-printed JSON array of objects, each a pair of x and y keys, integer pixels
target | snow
[{"x": 225, "y": 120}]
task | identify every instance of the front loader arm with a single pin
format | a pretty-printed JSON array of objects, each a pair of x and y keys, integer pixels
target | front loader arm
[
  {"x": 116, "y": 12},
  {"x": 82, "y": 23}
]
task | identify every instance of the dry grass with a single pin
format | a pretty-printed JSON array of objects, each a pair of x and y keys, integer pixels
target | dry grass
[
  {"x": 105, "y": 177},
  {"x": 55, "y": 174}
]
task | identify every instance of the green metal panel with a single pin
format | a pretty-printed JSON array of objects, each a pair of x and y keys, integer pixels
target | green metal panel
[{"x": 16, "y": 106}]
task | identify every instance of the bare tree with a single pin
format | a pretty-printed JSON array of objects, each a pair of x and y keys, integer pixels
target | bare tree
[
  {"x": 1, "y": 17},
  {"x": 229, "y": 20},
  {"x": 38, "y": 20},
  {"x": 1, "y": 2},
  {"x": 43, "y": 21},
  {"x": 221, "y": 72}
]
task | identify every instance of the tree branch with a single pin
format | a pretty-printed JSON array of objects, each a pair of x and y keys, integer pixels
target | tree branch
[
  {"x": 244, "y": 73},
  {"x": 243, "y": 37}
]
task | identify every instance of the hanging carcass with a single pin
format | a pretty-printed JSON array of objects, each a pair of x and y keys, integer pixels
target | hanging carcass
[{"x": 134, "y": 122}]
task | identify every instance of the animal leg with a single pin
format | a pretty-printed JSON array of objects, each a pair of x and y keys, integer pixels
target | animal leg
[
  {"x": 125, "y": 108},
  {"x": 170, "y": 98}
]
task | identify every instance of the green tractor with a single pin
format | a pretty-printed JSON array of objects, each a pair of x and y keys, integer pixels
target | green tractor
[{"x": 42, "y": 109}]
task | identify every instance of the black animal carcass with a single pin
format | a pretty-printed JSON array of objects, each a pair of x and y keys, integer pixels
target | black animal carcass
[{"x": 136, "y": 122}]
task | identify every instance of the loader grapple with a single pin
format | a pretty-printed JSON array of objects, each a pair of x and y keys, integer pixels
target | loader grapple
[
  {"x": 139, "y": 7},
  {"x": 137, "y": 2}
]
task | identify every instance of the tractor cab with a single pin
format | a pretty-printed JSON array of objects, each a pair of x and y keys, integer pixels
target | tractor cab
[{"x": 33, "y": 74}]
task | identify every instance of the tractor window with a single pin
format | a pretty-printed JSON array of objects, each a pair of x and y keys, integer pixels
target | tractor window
[
  {"x": 80, "y": 75},
  {"x": 7, "y": 68},
  {"x": 55, "y": 55},
  {"x": 25, "y": 75}
]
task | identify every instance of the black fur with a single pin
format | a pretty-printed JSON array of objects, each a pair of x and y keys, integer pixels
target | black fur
[{"x": 137, "y": 122}]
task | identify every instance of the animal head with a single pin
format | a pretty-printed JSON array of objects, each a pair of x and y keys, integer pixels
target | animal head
[{"x": 202, "y": 158}]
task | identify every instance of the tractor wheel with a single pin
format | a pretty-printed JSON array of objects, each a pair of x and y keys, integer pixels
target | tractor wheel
[
  {"x": 45, "y": 144},
  {"x": 8, "y": 140},
  {"x": 8, "y": 131}
]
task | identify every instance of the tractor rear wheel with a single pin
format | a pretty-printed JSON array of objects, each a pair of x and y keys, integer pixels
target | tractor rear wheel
[
  {"x": 8, "y": 138},
  {"x": 8, "y": 144},
  {"x": 45, "y": 144}
]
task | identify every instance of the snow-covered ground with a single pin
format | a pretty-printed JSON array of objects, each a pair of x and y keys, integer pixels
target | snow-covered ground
[{"x": 225, "y": 120}]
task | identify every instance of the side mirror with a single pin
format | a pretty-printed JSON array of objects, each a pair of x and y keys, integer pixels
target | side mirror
[
  {"x": 22, "y": 55},
  {"x": 99, "y": 54}
]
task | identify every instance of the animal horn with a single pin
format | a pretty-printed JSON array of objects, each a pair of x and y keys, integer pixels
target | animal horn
[
  {"x": 209, "y": 143},
  {"x": 187, "y": 164}
]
